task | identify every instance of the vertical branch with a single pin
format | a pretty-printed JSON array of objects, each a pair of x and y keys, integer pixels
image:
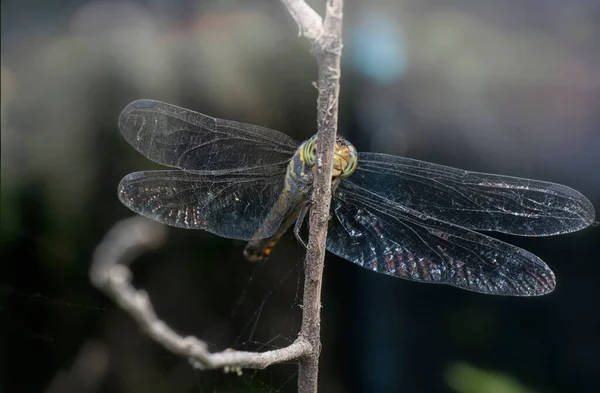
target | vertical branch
[{"x": 328, "y": 49}]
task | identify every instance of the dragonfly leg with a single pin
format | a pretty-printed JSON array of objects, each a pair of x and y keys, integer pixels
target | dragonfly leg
[{"x": 299, "y": 222}]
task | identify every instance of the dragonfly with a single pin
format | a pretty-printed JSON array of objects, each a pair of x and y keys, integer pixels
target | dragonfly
[{"x": 394, "y": 215}]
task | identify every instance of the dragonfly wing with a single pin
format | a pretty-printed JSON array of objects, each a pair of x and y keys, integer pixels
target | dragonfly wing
[
  {"x": 233, "y": 205},
  {"x": 473, "y": 200},
  {"x": 178, "y": 137},
  {"x": 393, "y": 242}
]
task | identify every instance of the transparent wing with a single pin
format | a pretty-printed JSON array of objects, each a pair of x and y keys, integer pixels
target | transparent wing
[
  {"x": 472, "y": 200},
  {"x": 231, "y": 205},
  {"x": 178, "y": 137},
  {"x": 391, "y": 241}
]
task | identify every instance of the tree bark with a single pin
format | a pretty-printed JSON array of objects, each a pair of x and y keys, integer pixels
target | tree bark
[{"x": 327, "y": 49}]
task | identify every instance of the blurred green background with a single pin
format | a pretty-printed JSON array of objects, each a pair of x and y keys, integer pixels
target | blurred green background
[{"x": 503, "y": 86}]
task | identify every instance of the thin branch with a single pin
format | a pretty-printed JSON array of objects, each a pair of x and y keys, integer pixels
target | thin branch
[
  {"x": 310, "y": 23},
  {"x": 327, "y": 47},
  {"x": 110, "y": 273},
  {"x": 128, "y": 238}
]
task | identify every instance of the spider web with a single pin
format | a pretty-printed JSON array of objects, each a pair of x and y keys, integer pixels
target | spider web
[
  {"x": 267, "y": 316},
  {"x": 258, "y": 310}
]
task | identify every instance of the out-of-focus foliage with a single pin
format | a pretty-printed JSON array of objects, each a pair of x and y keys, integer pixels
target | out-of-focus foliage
[{"x": 465, "y": 378}]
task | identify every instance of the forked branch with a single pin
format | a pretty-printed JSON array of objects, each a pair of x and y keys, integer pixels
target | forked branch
[
  {"x": 310, "y": 23},
  {"x": 110, "y": 273},
  {"x": 128, "y": 238}
]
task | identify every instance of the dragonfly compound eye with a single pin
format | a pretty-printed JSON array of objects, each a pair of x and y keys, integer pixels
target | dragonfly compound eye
[
  {"x": 310, "y": 151},
  {"x": 351, "y": 167},
  {"x": 345, "y": 158}
]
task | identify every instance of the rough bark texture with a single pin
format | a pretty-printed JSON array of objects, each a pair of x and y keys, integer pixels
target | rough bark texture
[{"x": 327, "y": 50}]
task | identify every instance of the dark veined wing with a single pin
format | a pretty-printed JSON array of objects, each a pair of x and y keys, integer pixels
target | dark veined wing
[
  {"x": 387, "y": 239},
  {"x": 178, "y": 137},
  {"x": 472, "y": 200},
  {"x": 233, "y": 205}
]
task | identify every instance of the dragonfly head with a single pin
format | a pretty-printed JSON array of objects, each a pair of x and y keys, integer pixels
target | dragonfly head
[{"x": 345, "y": 157}]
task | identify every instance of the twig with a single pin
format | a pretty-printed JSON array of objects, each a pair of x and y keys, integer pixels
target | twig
[
  {"x": 128, "y": 238},
  {"x": 110, "y": 273},
  {"x": 310, "y": 23},
  {"x": 327, "y": 46}
]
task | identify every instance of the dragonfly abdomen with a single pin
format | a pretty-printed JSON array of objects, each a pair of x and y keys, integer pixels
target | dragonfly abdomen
[
  {"x": 288, "y": 205},
  {"x": 260, "y": 249}
]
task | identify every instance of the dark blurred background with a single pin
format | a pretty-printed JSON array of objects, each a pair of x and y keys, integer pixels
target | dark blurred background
[{"x": 504, "y": 86}]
